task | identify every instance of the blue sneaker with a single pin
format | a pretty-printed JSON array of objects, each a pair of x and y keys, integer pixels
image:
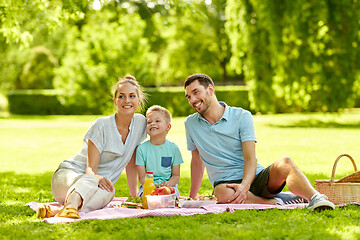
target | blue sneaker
[{"x": 320, "y": 202}]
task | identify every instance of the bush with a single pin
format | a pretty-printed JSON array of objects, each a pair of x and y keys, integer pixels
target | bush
[
  {"x": 173, "y": 98},
  {"x": 3, "y": 103},
  {"x": 236, "y": 96},
  {"x": 47, "y": 102},
  {"x": 40, "y": 102},
  {"x": 38, "y": 72}
]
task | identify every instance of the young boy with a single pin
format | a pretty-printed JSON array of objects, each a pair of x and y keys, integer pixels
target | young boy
[{"x": 159, "y": 155}]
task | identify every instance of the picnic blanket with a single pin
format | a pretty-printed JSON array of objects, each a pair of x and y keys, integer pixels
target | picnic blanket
[{"x": 114, "y": 211}]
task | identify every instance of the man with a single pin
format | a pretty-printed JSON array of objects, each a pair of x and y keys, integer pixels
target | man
[{"x": 222, "y": 139}]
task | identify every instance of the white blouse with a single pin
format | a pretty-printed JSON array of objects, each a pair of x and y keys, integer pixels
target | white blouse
[{"x": 114, "y": 155}]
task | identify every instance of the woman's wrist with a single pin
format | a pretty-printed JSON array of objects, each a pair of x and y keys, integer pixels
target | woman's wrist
[{"x": 98, "y": 177}]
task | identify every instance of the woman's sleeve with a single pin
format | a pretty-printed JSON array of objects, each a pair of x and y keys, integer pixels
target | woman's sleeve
[
  {"x": 96, "y": 135},
  {"x": 141, "y": 125}
]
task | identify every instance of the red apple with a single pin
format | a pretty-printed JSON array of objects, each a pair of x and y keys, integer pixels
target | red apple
[
  {"x": 164, "y": 191},
  {"x": 172, "y": 190},
  {"x": 155, "y": 192},
  {"x": 168, "y": 190}
]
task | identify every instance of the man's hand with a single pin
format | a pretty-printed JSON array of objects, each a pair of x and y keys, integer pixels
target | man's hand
[
  {"x": 105, "y": 184},
  {"x": 240, "y": 194}
]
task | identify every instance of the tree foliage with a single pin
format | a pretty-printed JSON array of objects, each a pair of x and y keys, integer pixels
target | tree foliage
[
  {"x": 103, "y": 51},
  {"x": 38, "y": 73},
  {"x": 197, "y": 41},
  {"x": 296, "y": 55},
  {"x": 21, "y": 20}
]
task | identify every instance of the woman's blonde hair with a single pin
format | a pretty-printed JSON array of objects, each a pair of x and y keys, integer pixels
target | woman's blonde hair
[{"x": 132, "y": 80}]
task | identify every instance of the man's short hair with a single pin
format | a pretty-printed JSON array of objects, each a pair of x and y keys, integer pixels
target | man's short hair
[
  {"x": 203, "y": 79},
  {"x": 160, "y": 109}
]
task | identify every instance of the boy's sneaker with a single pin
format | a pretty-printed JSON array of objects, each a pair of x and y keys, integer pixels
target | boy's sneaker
[{"x": 320, "y": 202}]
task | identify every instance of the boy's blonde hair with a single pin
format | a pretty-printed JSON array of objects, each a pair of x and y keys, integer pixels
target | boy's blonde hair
[{"x": 160, "y": 109}]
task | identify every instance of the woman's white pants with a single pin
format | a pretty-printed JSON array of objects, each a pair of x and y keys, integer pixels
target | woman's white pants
[{"x": 64, "y": 181}]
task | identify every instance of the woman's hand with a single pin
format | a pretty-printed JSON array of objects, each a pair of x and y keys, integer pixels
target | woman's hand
[{"x": 105, "y": 184}]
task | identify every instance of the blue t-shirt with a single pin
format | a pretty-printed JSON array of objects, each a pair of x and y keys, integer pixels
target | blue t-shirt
[
  {"x": 220, "y": 144},
  {"x": 159, "y": 159}
]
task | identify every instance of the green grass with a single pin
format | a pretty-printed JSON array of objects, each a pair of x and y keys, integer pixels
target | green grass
[{"x": 31, "y": 147}]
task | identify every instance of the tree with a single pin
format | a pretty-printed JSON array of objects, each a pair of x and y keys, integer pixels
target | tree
[
  {"x": 26, "y": 25},
  {"x": 296, "y": 56},
  {"x": 251, "y": 54},
  {"x": 38, "y": 73},
  {"x": 15, "y": 16},
  {"x": 103, "y": 51},
  {"x": 197, "y": 41}
]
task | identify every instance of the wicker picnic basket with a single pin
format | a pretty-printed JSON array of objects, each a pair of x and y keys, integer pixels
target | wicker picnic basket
[{"x": 344, "y": 190}]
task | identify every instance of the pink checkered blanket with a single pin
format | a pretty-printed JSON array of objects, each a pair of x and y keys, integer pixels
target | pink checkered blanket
[{"x": 114, "y": 211}]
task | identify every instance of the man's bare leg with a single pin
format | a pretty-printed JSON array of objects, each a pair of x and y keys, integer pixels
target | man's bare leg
[{"x": 284, "y": 170}]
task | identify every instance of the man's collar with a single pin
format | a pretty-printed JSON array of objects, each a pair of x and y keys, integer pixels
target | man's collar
[
  {"x": 225, "y": 116},
  {"x": 226, "y": 112}
]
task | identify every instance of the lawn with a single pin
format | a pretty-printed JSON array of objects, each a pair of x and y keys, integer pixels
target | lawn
[{"x": 31, "y": 147}]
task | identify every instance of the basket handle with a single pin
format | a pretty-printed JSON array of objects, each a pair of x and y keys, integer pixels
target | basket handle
[{"x": 336, "y": 161}]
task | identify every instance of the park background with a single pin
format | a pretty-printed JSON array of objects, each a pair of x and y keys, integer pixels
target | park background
[
  {"x": 289, "y": 56},
  {"x": 294, "y": 64}
]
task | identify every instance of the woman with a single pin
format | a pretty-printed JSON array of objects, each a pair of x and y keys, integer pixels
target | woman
[{"x": 85, "y": 182}]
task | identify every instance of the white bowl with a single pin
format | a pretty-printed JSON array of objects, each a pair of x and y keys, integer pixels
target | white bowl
[{"x": 161, "y": 201}]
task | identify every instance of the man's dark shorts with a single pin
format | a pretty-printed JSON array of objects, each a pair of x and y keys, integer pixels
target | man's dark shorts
[{"x": 259, "y": 185}]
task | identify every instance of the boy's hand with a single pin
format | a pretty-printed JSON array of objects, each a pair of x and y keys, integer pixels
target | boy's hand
[{"x": 165, "y": 184}]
